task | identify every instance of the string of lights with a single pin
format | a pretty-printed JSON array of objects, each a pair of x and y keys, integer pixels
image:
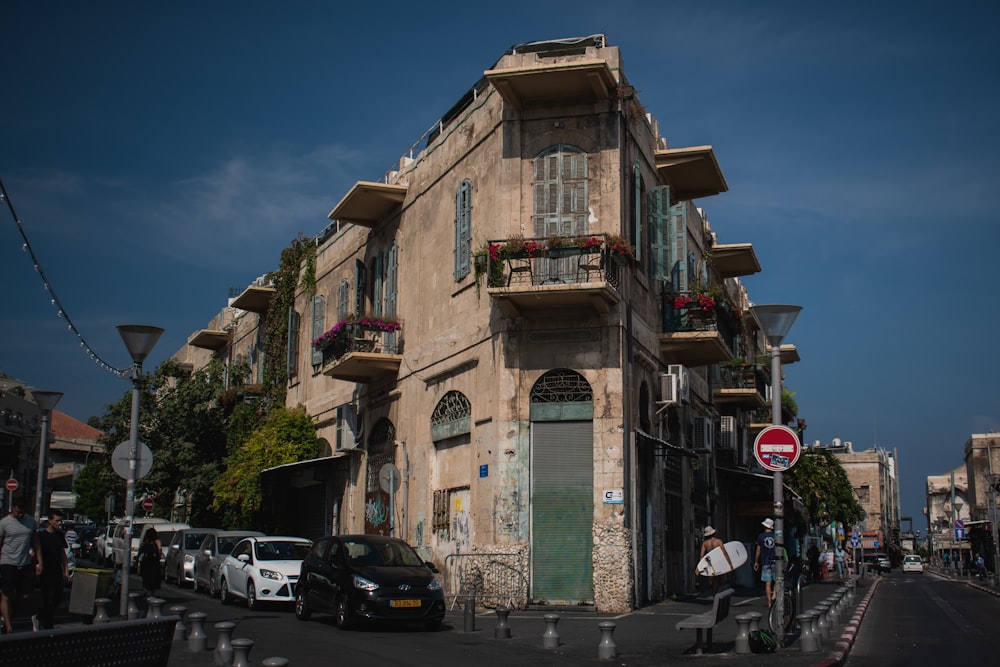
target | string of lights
[{"x": 54, "y": 300}]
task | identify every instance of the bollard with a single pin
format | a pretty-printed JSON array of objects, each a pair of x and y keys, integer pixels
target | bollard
[
  {"x": 502, "y": 631},
  {"x": 807, "y": 641},
  {"x": 551, "y": 638},
  {"x": 755, "y": 617},
  {"x": 743, "y": 633},
  {"x": 101, "y": 615},
  {"x": 154, "y": 607},
  {"x": 241, "y": 652},
  {"x": 133, "y": 611},
  {"x": 223, "y": 653},
  {"x": 606, "y": 649},
  {"x": 470, "y": 615},
  {"x": 823, "y": 610},
  {"x": 180, "y": 630},
  {"x": 814, "y": 627},
  {"x": 197, "y": 639},
  {"x": 275, "y": 662}
]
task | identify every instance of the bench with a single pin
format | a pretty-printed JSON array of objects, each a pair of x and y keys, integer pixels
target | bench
[
  {"x": 709, "y": 619},
  {"x": 139, "y": 643}
]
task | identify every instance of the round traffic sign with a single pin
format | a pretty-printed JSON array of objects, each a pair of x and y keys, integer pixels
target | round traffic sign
[
  {"x": 11, "y": 484},
  {"x": 147, "y": 503},
  {"x": 388, "y": 478},
  {"x": 120, "y": 458},
  {"x": 777, "y": 448}
]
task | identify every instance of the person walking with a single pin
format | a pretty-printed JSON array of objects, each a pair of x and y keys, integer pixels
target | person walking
[
  {"x": 55, "y": 569},
  {"x": 763, "y": 559},
  {"x": 19, "y": 565},
  {"x": 710, "y": 541},
  {"x": 149, "y": 556},
  {"x": 980, "y": 567},
  {"x": 840, "y": 557}
]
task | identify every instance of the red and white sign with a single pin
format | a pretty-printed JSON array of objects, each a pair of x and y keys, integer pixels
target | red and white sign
[
  {"x": 11, "y": 484},
  {"x": 147, "y": 503},
  {"x": 777, "y": 448}
]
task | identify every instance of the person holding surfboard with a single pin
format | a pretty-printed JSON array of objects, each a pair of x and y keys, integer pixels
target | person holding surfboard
[
  {"x": 763, "y": 559},
  {"x": 711, "y": 542}
]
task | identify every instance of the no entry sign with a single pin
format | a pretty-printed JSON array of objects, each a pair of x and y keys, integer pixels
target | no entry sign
[
  {"x": 777, "y": 448},
  {"x": 11, "y": 484}
]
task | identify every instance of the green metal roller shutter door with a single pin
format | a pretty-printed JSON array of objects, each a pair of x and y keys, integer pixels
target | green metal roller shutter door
[{"x": 562, "y": 511}]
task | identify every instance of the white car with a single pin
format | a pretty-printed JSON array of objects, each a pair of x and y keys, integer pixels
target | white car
[
  {"x": 913, "y": 563},
  {"x": 263, "y": 569}
]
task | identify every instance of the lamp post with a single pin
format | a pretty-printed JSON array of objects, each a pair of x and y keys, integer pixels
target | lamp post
[
  {"x": 46, "y": 402},
  {"x": 775, "y": 321},
  {"x": 139, "y": 339}
]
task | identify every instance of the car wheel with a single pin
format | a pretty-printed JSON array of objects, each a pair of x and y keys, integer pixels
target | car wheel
[
  {"x": 302, "y": 611},
  {"x": 342, "y": 614},
  {"x": 224, "y": 596},
  {"x": 212, "y": 590},
  {"x": 252, "y": 602}
]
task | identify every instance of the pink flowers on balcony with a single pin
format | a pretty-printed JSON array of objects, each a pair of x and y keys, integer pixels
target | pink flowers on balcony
[
  {"x": 364, "y": 322},
  {"x": 698, "y": 302}
]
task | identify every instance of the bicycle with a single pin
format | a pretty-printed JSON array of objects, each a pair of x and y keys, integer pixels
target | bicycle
[{"x": 794, "y": 580}]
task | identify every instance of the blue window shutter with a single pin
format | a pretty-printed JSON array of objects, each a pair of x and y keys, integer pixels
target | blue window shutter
[
  {"x": 343, "y": 301},
  {"x": 292, "y": 362},
  {"x": 318, "y": 326},
  {"x": 360, "y": 285},
  {"x": 659, "y": 232},
  {"x": 378, "y": 284},
  {"x": 463, "y": 230},
  {"x": 678, "y": 249}
]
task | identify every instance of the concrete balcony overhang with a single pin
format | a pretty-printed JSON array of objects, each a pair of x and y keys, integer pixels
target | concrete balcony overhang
[
  {"x": 788, "y": 353},
  {"x": 363, "y": 367},
  {"x": 691, "y": 173},
  {"x": 542, "y": 300},
  {"x": 743, "y": 397},
  {"x": 586, "y": 81},
  {"x": 209, "y": 339},
  {"x": 254, "y": 299},
  {"x": 733, "y": 260},
  {"x": 367, "y": 203},
  {"x": 694, "y": 348}
]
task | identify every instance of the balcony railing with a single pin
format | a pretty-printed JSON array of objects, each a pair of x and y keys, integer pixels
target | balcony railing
[
  {"x": 697, "y": 329},
  {"x": 362, "y": 354},
  {"x": 525, "y": 275},
  {"x": 743, "y": 386}
]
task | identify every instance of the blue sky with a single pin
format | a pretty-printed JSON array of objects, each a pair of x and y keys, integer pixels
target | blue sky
[{"x": 159, "y": 154}]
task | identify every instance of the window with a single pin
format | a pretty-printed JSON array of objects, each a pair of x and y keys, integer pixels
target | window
[
  {"x": 292, "y": 362},
  {"x": 463, "y": 230},
  {"x": 343, "y": 301},
  {"x": 451, "y": 417},
  {"x": 318, "y": 326},
  {"x": 560, "y": 192}
]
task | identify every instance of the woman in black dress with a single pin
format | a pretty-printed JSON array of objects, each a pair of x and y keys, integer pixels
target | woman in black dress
[{"x": 149, "y": 561}]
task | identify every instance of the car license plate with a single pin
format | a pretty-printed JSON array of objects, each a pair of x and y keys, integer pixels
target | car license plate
[{"x": 404, "y": 603}]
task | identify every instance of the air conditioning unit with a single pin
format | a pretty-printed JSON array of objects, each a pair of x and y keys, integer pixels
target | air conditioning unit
[
  {"x": 683, "y": 382},
  {"x": 704, "y": 429},
  {"x": 727, "y": 437},
  {"x": 669, "y": 394}
]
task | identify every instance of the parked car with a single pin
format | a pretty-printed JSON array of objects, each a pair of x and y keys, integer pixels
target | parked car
[
  {"x": 913, "y": 563},
  {"x": 213, "y": 549},
  {"x": 878, "y": 563},
  {"x": 178, "y": 563},
  {"x": 125, "y": 542},
  {"x": 369, "y": 577},
  {"x": 165, "y": 533},
  {"x": 103, "y": 545},
  {"x": 262, "y": 569}
]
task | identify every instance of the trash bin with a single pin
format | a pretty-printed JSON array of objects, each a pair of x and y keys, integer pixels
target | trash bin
[{"x": 89, "y": 583}]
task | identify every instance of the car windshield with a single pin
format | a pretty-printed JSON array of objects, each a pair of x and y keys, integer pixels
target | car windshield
[
  {"x": 193, "y": 540},
  {"x": 392, "y": 554},
  {"x": 282, "y": 550},
  {"x": 227, "y": 542}
]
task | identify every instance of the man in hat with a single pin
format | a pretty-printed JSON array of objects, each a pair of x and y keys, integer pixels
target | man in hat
[
  {"x": 763, "y": 559},
  {"x": 711, "y": 542}
]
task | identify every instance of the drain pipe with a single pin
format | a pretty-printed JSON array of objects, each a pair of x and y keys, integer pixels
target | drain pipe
[{"x": 403, "y": 533}]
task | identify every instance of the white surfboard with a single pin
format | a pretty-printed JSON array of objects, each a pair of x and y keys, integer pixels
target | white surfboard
[{"x": 721, "y": 560}]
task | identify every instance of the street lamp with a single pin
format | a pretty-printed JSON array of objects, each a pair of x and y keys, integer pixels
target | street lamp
[
  {"x": 139, "y": 339},
  {"x": 775, "y": 321},
  {"x": 46, "y": 402}
]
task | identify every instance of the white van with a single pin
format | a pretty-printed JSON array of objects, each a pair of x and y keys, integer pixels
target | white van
[
  {"x": 165, "y": 533},
  {"x": 129, "y": 539}
]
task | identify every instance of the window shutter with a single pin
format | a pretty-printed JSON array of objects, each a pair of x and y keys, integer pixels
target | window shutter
[
  {"x": 360, "y": 285},
  {"x": 318, "y": 324},
  {"x": 463, "y": 230},
  {"x": 292, "y": 357},
  {"x": 659, "y": 232}
]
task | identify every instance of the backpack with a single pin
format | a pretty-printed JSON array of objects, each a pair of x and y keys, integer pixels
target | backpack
[{"x": 762, "y": 641}]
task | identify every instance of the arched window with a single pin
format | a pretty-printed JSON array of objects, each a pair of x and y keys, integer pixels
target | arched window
[
  {"x": 561, "y": 192},
  {"x": 561, "y": 394},
  {"x": 463, "y": 230},
  {"x": 451, "y": 417}
]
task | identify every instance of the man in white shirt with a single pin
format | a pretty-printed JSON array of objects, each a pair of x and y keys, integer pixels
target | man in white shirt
[{"x": 18, "y": 536}]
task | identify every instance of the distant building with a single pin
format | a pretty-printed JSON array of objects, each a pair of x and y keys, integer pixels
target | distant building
[
  {"x": 947, "y": 500},
  {"x": 982, "y": 466},
  {"x": 71, "y": 449}
]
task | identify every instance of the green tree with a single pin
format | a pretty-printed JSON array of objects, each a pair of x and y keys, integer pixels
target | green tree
[
  {"x": 92, "y": 485},
  {"x": 287, "y": 435},
  {"x": 822, "y": 483}
]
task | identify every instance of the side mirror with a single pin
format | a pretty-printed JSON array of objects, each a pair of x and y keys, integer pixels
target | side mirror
[
  {"x": 243, "y": 558},
  {"x": 431, "y": 567}
]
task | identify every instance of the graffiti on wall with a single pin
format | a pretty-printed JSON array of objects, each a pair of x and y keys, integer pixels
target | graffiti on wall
[{"x": 377, "y": 513}]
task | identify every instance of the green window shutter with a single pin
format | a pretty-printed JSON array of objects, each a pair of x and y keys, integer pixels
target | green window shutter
[
  {"x": 360, "y": 285},
  {"x": 658, "y": 206},
  {"x": 292, "y": 359},
  {"x": 678, "y": 248},
  {"x": 318, "y": 326},
  {"x": 463, "y": 230}
]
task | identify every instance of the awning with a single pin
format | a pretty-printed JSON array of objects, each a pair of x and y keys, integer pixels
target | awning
[
  {"x": 310, "y": 472},
  {"x": 642, "y": 438},
  {"x": 63, "y": 500},
  {"x": 288, "y": 467}
]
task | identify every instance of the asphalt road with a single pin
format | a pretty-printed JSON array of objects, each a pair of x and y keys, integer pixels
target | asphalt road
[{"x": 927, "y": 620}]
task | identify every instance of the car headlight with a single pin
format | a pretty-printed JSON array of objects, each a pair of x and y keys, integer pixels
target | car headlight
[
  {"x": 364, "y": 584},
  {"x": 270, "y": 574},
  {"x": 435, "y": 585}
]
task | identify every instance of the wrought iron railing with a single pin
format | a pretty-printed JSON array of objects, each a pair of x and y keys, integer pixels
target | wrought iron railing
[
  {"x": 536, "y": 262},
  {"x": 359, "y": 338}
]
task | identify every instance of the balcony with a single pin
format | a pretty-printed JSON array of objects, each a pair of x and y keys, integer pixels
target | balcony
[
  {"x": 254, "y": 299},
  {"x": 367, "y": 203},
  {"x": 527, "y": 277},
  {"x": 743, "y": 386},
  {"x": 209, "y": 339},
  {"x": 585, "y": 81},
  {"x": 360, "y": 353},
  {"x": 697, "y": 332}
]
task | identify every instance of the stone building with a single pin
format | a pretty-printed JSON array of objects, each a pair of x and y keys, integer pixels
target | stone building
[
  {"x": 982, "y": 467},
  {"x": 525, "y": 349},
  {"x": 947, "y": 500},
  {"x": 874, "y": 474}
]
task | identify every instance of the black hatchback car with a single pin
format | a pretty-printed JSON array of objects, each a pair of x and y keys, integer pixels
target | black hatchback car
[{"x": 368, "y": 577}]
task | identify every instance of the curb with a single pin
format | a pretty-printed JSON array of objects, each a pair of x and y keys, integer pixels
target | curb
[{"x": 847, "y": 637}]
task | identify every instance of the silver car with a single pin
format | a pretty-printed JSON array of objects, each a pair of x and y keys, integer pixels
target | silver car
[
  {"x": 178, "y": 563},
  {"x": 213, "y": 550}
]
